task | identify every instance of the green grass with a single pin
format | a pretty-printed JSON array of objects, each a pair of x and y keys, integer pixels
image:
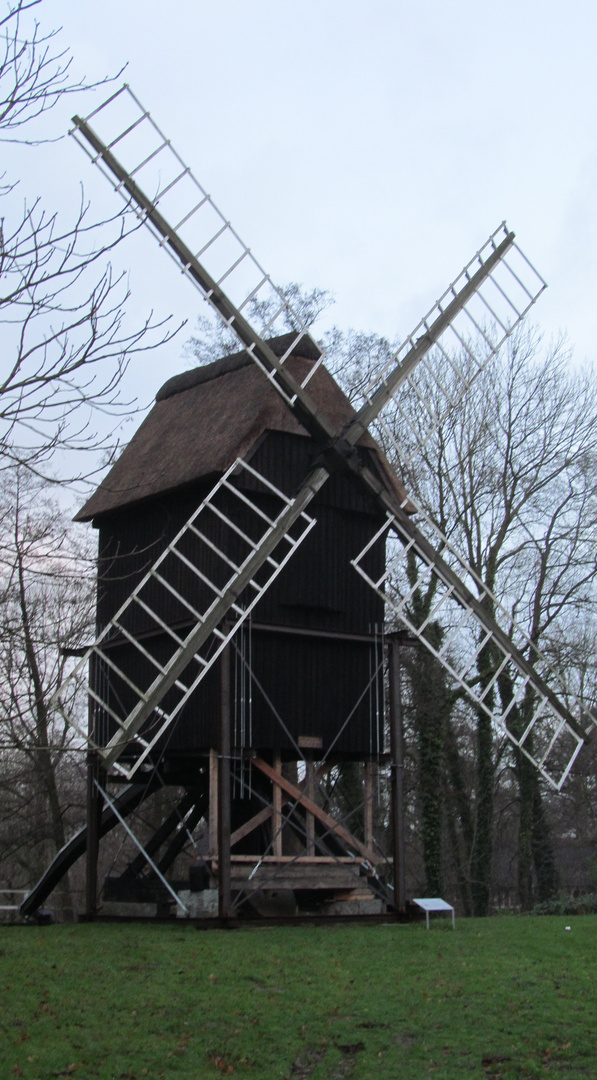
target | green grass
[{"x": 499, "y": 998}]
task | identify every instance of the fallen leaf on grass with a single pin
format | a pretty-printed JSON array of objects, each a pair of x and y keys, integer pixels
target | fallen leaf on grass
[
  {"x": 220, "y": 1063},
  {"x": 495, "y": 1059}
]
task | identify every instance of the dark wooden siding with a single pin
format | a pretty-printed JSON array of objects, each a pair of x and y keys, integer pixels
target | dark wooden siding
[
  {"x": 300, "y": 686},
  {"x": 310, "y": 681}
]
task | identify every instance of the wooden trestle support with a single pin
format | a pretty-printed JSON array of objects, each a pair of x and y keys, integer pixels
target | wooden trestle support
[{"x": 327, "y": 858}]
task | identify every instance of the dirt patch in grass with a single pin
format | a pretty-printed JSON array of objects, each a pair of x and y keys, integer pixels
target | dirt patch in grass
[{"x": 307, "y": 1061}]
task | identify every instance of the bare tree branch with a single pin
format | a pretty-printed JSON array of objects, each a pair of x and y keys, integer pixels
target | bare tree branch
[{"x": 34, "y": 75}]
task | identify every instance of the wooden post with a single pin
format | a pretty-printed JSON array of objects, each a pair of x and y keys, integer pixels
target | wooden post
[
  {"x": 369, "y": 804},
  {"x": 310, "y": 793},
  {"x": 297, "y": 795},
  {"x": 213, "y": 802},
  {"x": 224, "y": 889},
  {"x": 397, "y": 769},
  {"x": 277, "y": 805},
  {"x": 94, "y": 813}
]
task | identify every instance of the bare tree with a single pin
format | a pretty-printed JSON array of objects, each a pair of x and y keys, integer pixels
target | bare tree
[
  {"x": 66, "y": 347},
  {"x": 62, "y": 307},
  {"x": 511, "y": 480},
  {"x": 62, "y": 313},
  {"x": 47, "y": 587},
  {"x": 34, "y": 75},
  {"x": 212, "y": 340}
]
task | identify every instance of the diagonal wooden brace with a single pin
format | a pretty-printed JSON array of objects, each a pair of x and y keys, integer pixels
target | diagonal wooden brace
[
  {"x": 269, "y": 811},
  {"x": 253, "y": 823},
  {"x": 312, "y": 808}
]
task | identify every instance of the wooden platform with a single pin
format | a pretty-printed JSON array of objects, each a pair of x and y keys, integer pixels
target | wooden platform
[{"x": 284, "y": 872}]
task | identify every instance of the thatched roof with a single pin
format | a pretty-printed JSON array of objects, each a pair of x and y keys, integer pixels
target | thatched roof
[{"x": 204, "y": 419}]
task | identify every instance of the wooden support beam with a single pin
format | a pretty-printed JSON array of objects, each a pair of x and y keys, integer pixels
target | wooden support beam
[
  {"x": 313, "y": 874},
  {"x": 213, "y": 802},
  {"x": 326, "y": 819},
  {"x": 279, "y": 800},
  {"x": 308, "y": 860},
  {"x": 94, "y": 814},
  {"x": 310, "y": 793},
  {"x": 369, "y": 803},
  {"x": 224, "y": 793},
  {"x": 165, "y": 830},
  {"x": 253, "y": 823},
  {"x": 274, "y": 811},
  {"x": 277, "y": 808},
  {"x": 182, "y": 836}
]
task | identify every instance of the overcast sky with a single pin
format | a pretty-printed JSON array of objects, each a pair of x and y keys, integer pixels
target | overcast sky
[{"x": 368, "y": 149}]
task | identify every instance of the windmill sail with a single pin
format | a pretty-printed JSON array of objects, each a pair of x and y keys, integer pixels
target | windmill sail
[
  {"x": 160, "y": 187},
  {"x": 245, "y": 552},
  {"x": 473, "y": 318},
  {"x": 488, "y": 299},
  {"x": 510, "y": 690}
]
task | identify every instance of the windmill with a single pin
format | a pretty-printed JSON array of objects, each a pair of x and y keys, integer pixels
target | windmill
[{"x": 261, "y": 526}]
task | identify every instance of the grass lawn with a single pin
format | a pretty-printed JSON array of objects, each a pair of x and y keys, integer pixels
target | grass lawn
[{"x": 497, "y": 998}]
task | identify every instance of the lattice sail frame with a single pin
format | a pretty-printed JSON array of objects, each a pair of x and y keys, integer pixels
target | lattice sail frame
[
  {"x": 476, "y": 333},
  {"x": 488, "y": 299},
  {"x": 190, "y": 214},
  {"x": 176, "y": 207},
  {"x": 545, "y": 736},
  {"x": 206, "y": 637}
]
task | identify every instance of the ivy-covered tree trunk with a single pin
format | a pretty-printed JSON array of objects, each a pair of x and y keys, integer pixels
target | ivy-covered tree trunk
[
  {"x": 485, "y": 779},
  {"x": 483, "y": 845},
  {"x": 459, "y": 819},
  {"x": 542, "y": 848},
  {"x": 431, "y": 703},
  {"x": 537, "y": 874}
]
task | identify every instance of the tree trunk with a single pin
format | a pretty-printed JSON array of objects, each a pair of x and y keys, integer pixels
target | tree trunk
[
  {"x": 430, "y": 703},
  {"x": 43, "y": 763},
  {"x": 483, "y": 845},
  {"x": 542, "y": 848},
  {"x": 537, "y": 875},
  {"x": 459, "y": 818}
]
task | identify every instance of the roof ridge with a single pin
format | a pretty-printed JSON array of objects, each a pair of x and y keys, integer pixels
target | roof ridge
[{"x": 306, "y": 349}]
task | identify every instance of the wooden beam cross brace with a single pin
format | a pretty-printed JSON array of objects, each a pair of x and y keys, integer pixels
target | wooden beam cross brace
[
  {"x": 253, "y": 823},
  {"x": 312, "y": 808}
]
